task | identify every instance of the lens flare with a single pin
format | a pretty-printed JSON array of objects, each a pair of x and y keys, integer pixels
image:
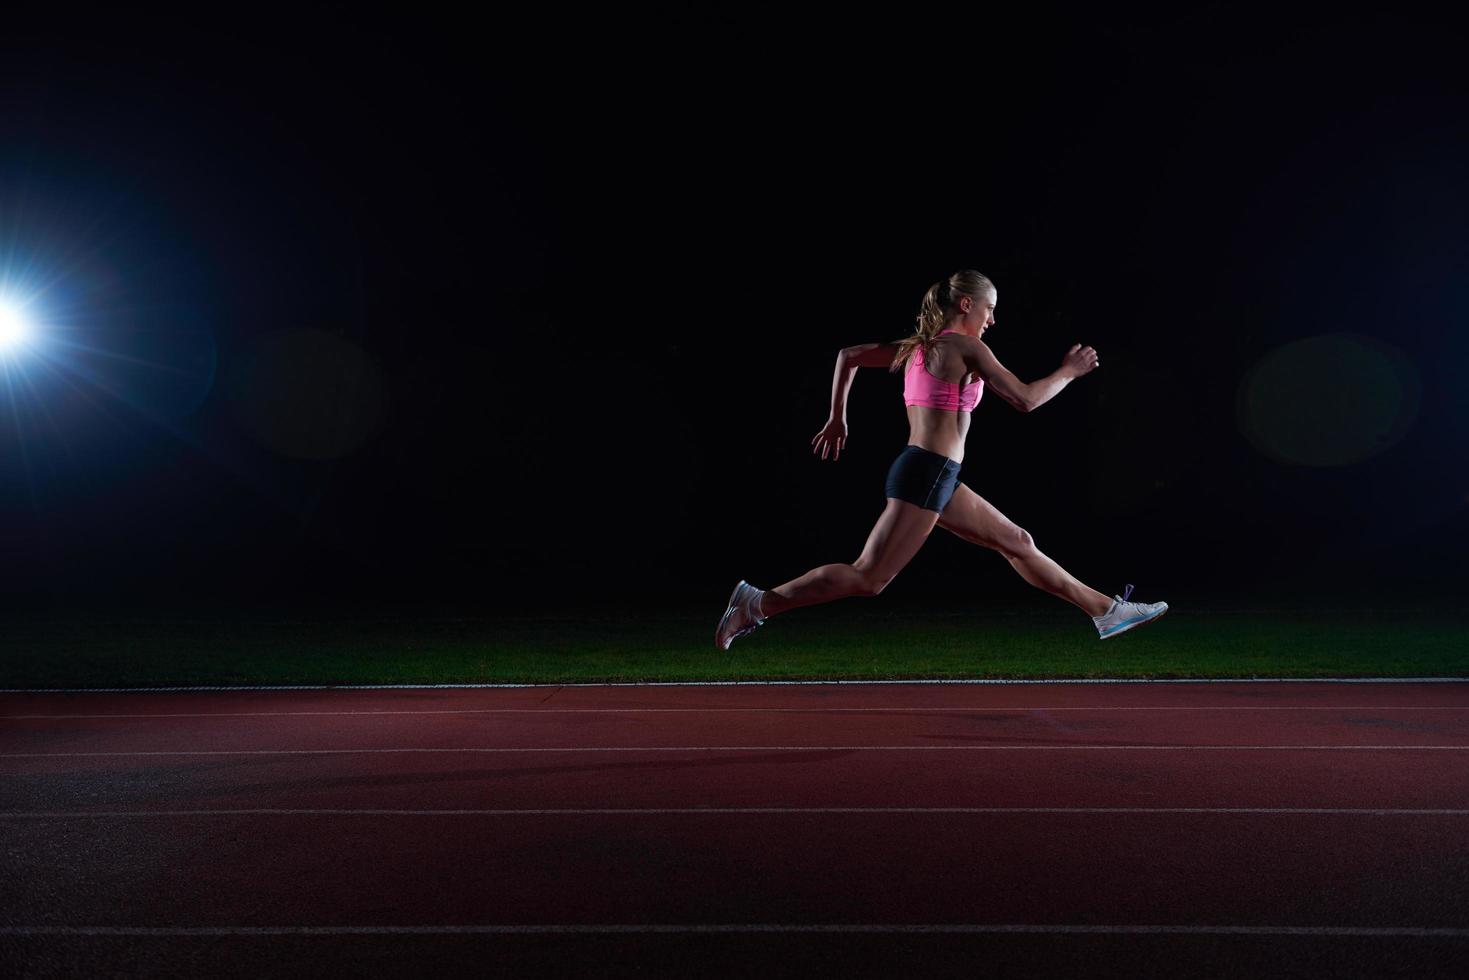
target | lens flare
[{"x": 13, "y": 325}]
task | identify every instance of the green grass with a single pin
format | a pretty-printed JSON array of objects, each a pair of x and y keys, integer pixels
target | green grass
[{"x": 861, "y": 640}]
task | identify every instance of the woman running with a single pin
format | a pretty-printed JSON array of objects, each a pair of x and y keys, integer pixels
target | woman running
[{"x": 948, "y": 365}]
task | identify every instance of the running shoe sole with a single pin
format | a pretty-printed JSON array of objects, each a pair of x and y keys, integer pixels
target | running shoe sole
[{"x": 1131, "y": 624}]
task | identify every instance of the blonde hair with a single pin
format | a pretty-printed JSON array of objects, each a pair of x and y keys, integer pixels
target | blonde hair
[{"x": 939, "y": 306}]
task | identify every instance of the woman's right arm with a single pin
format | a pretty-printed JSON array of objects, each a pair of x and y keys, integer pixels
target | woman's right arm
[
  {"x": 833, "y": 435},
  {"x": 849, "y": 359},
  {"x": 871, "y": 355}
]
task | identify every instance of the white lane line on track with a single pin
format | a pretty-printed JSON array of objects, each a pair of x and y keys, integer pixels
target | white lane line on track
[
  {"x": 976, "y": 709},
  {"x": 761, "y": 748},
  {"x": 977, "y": 680},
  {"x": 625, "y": 811},
  {"x": 1139, "y": 930}
]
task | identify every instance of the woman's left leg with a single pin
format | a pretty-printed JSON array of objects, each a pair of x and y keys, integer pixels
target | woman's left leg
[
  {"x": 896, "y": 537},
  {"x": 976, "y": 520}
]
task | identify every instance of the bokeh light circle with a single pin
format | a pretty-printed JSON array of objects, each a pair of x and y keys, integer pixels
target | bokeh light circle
[{"x": 1329, "y": 400}]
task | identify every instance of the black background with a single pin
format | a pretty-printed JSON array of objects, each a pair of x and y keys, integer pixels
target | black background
[{"x": 573, "y": 287}]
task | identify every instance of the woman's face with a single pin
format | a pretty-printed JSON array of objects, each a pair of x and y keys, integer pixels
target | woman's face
[{"x": 981, "y": 313}]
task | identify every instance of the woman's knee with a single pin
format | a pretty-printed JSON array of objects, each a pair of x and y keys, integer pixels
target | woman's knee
[
  {"x": 870, "y": 581},
  {"x": 1017, "y": 543},
  {"x": 876, "y": 585}
]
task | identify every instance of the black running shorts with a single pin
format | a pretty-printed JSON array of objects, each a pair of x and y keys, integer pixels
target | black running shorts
[{"x": 923, "y": 478}]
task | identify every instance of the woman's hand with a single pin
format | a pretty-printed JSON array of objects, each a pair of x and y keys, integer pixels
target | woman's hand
[
  {"x": 1079, "y": 360},
  {"x": 834, "y": 436}
]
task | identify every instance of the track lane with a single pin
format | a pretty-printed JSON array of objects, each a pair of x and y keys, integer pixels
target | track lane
[{"x": 1148, "y": 872}]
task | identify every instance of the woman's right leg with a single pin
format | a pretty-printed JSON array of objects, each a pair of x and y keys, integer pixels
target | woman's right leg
[
  {"x": 895, "y": 539},
  {"x": 976, "y": 520}
]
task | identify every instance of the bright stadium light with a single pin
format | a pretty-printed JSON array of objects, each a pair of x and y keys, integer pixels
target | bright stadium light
[{"x": 13, "y": 326}]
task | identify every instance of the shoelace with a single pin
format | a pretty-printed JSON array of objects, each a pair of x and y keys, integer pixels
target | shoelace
[{"x": 1126, "y": 591}]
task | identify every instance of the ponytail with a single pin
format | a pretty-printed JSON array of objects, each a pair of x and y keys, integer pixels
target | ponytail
[{"x": 936, "y": 310}]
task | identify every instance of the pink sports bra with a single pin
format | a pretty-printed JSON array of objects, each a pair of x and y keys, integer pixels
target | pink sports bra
[{"x": 922, "y": 388}]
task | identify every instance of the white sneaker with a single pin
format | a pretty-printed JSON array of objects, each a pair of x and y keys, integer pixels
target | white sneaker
[
  {"x": 1124, "y": 615},
  {"x": 739, "y": 619}
]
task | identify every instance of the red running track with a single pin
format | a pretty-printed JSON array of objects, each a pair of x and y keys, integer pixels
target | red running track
[{"x": 1300, "y": 829}]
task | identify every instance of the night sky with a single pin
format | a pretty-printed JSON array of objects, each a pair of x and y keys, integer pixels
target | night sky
[{"x": 544, "y": 310}]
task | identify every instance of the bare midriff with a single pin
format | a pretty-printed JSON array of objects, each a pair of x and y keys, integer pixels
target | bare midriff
[{"x": 938, "y": 431}]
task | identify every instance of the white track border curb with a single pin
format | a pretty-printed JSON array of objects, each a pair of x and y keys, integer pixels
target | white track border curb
[{"x": 425, "y": 687}]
